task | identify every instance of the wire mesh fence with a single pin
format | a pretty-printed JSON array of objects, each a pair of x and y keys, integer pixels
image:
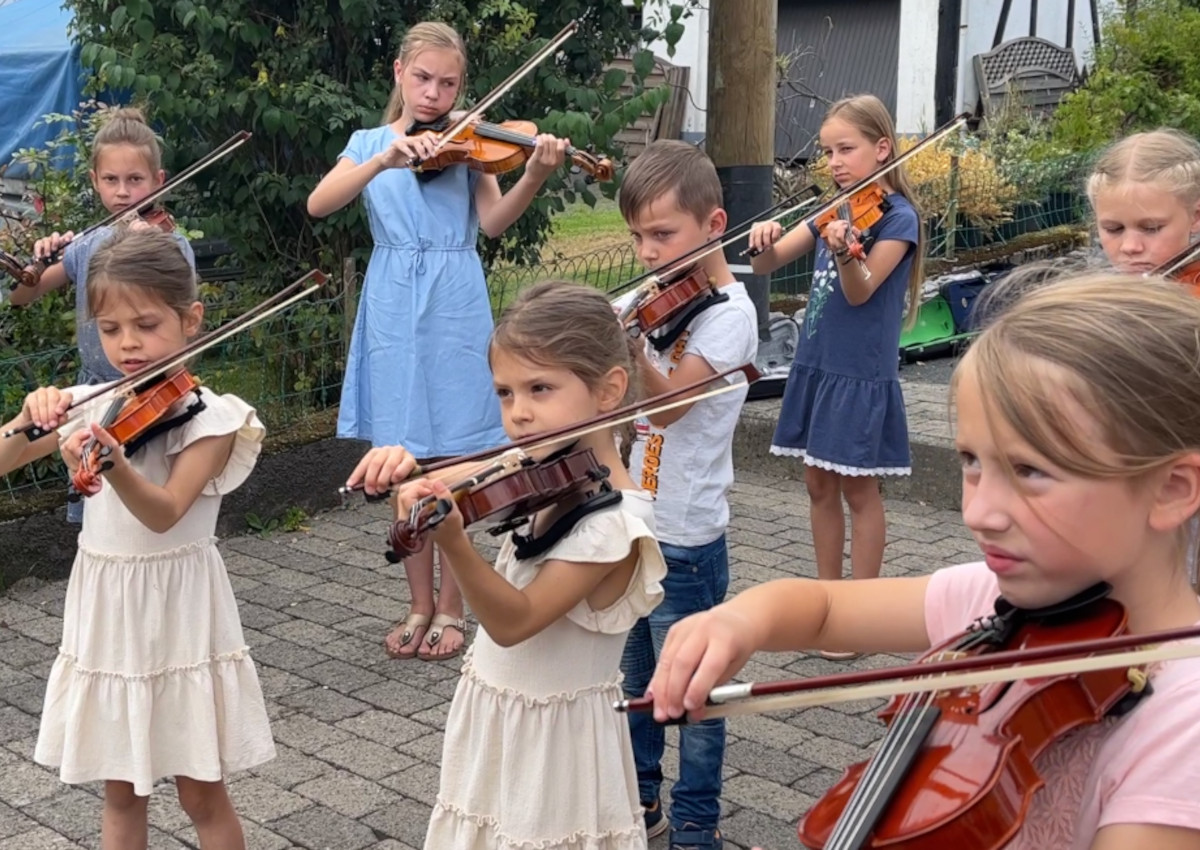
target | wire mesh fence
[
  {"x": 290, "y": 367},
  {"x": 971, "y": 204}
]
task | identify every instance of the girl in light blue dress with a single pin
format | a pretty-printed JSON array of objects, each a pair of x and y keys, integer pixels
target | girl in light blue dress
[{"x": 417, "y": 373}]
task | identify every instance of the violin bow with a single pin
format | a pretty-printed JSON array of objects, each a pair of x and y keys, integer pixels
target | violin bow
[
  {"x": 536, "y": 442},
  {"x": 934, "y": 137},
  {"x": 284, "y": 298},
  {"x": 455, "y": 129},
  {"x": 1175, "y": 263},
  {"x": 28, "y": 275},
  {"x": 730, "y": 236},
  {"x": 973, "y": 671}
]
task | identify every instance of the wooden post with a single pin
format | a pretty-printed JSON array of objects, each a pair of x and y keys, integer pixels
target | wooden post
[{"x": 740, "y": 125}]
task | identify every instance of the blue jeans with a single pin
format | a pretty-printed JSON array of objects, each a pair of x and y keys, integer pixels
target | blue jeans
[{"x": 697, "y": 578}]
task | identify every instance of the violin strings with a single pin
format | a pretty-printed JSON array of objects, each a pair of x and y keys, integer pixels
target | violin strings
[
  {"x": 880, "y": 769},
  {"x": 886, "y": 760}
]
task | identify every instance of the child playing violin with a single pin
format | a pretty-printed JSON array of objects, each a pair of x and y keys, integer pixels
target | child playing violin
[
  {"x": 553, "y": 616},
  {"x": 843, "y": 410},
  {"x": 671, "y": 199},
  {"x": 1076, "y": 425},
  {"x": 1145, "y": 193},
  {"x": 153, "y": 677},
  {"x": 417, "y": 371},
  {"x": 126, "y": 167}
]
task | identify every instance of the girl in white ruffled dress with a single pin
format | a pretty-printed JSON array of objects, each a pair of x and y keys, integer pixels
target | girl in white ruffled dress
[
  {"x": 153, "y": 677},
  {"x": 534, "y": 755}
]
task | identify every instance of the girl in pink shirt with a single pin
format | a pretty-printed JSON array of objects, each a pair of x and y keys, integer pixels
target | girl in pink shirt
[{"x": 1080, "y": 444}]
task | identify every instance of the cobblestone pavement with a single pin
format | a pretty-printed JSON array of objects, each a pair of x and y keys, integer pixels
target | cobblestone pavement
[{"x": 359, "y": 735}]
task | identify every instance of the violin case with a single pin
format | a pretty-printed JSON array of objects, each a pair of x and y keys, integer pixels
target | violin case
[{"x": 944, "y": 317}]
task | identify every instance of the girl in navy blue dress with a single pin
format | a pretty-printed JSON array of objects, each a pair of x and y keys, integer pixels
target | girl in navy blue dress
[
  {"x": 417, "y": 372},
  {"x": 842, "y": 410}
]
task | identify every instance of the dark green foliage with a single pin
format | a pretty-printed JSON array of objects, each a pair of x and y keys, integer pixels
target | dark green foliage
[
  {"x": 303, "y": 74},
  {"x": 1146, "y": 75}
]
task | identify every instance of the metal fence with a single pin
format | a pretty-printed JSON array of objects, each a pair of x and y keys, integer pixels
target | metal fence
[{"x": 290, "y": 367}]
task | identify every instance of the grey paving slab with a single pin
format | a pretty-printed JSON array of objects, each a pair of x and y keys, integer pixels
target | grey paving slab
[{"x": 359, "y": 735}]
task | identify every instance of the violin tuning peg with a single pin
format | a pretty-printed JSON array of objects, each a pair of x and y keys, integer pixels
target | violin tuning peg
[{"x": 392, "y": 557}]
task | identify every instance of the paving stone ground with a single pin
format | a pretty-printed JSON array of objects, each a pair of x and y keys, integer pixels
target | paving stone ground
[{"x": 359, "y": 735}]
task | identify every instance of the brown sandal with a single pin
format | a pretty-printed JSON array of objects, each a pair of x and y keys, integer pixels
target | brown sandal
[
  {"x": 411, "y": 624},
  {"x": 437, "y": 628}
]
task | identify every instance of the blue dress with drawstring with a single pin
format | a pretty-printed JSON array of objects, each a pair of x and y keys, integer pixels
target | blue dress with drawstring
[{"x": 417, "y": 373}]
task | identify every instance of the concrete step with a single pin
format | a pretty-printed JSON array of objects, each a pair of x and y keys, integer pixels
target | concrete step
[{"x": 936, "y": 477}]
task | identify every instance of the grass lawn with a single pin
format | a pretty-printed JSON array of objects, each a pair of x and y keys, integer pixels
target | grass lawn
[
  {"x": 581, "y": 229},
  {"x": 588, "y": 244}
]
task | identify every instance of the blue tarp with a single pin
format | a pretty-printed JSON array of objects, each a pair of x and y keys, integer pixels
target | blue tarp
[{"x": 39, "y": 73}]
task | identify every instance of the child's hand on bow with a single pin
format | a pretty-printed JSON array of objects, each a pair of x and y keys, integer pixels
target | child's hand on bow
[
  {"x": 47, "y": 246},
  {"x": 764, "y": 234},
  {"x": 700, "y": 652},
  {"x": 46, "y": 407},
  {"x": 380, "y": 468}
]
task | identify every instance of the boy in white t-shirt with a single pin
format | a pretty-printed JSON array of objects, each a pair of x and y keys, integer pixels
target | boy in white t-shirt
[{"x": 671, "y": 199}]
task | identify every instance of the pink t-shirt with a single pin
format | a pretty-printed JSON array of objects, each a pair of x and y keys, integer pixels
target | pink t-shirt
[{"x": 1143, "y": 768}]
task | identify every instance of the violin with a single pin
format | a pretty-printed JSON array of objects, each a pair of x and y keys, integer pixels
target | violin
[
  {"x": 658, "y": 301},
  {"x": 132, "y": 420},
  {"x": 863, "y": 210},
  {"x": 865, "y": 197},
  {"x": 507, "y": 500},
  {"x": 1184, "y": 267},
  {"x": 956, "y": 767},
  {"x": 498, "y": 148},
  {"x": 30, "y": 273}
]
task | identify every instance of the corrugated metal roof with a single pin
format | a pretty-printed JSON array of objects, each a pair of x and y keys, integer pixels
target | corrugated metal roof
[{"x": 838, "y": 49}]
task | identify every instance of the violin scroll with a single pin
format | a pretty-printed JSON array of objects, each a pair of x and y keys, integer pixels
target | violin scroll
[{"x": 22, "y": 274}]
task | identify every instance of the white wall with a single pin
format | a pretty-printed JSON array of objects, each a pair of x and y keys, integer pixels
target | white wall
[
  {"x": 917, "y": 66},
  {"x": 691, "y": 51}
]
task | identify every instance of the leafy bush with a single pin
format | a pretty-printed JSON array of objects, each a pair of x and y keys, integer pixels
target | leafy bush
[
  {"x": 985, "y": 197},
  {"x": 303, "y": 74},
  {"x": 1027, "y": 154},
  {"x": 1146, "y": 75}
]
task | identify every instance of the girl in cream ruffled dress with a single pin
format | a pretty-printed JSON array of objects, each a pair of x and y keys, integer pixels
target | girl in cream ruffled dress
[
  {"x": 535, "y": 756},
  {"x": 153, "y": 677}
]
